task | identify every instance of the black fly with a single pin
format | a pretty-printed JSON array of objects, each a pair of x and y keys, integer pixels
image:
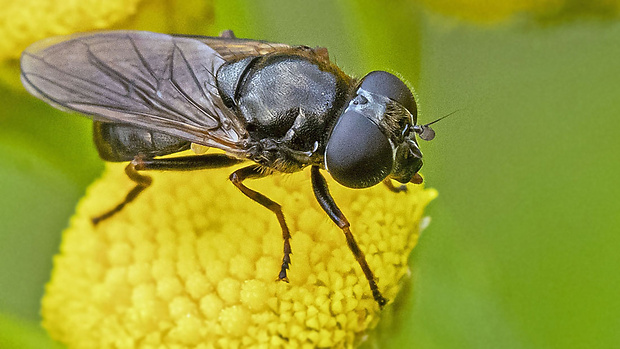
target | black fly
[{"x": 282, "y": 107}]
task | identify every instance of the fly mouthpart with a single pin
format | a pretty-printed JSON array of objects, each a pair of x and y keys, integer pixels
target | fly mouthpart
[{"x": 416, "y": 179}]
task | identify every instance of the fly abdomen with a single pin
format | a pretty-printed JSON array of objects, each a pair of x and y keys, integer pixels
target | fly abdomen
[{"x": 117, "y": 142}]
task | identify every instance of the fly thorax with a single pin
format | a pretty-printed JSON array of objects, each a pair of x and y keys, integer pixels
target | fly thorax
[{"x": 282, "y": 97}]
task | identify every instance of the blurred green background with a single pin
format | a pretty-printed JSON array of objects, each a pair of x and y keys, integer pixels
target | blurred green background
[{"x": 522, "y": 249}]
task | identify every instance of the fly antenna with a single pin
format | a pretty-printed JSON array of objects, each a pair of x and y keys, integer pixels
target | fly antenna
[{"x": 425, "y": 131}]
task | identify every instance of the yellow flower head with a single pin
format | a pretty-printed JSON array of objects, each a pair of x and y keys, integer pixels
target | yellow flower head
[
  {"x": 23, "y": 22},
  {"x": 26, "y": 21},
  {"x": 193, "y": 263}
]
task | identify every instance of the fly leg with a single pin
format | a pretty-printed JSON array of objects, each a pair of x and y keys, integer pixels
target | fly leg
[
  {"x": 254, "y": 171},
  {"x": 321, "y": 192},
  {"x": 142, "y": 182},
  {"x": 388, "y": 183},
  {"x": 182, "y": 163},
  {"x": 416, "y": 179}
]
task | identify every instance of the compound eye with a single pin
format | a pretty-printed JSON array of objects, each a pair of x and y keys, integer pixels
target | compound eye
[
  {"x": 358, "y": 154},
  {"x": 389, "y": 85}
]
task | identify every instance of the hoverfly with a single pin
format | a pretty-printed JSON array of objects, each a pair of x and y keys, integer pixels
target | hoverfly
[{"x": 283, "y": 107}]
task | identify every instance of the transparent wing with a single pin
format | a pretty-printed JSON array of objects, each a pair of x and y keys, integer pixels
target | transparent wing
[
  {"x": 232, "y": 48},
  {"x": 156, "y": 81}
]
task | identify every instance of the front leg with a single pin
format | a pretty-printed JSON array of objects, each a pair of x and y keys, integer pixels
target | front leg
[
  {"x": 255, "y": 171},
  {"x": 321, "y": 192},
  {"x": 401, "y": 188}
]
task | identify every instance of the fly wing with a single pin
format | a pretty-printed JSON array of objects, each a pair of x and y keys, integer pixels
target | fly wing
[
  {"x": 232, "y": 48},
  {"x": 155, "y": 81}
]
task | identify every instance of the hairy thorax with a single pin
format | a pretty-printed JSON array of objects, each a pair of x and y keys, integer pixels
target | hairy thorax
[{"x": 288, "y": 103}]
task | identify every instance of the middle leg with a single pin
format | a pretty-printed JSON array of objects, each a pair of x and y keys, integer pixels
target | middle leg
[{"x": 254, "y": 171}]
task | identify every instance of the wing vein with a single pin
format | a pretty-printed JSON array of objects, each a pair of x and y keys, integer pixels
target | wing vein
[
  {"x": 76, "y": 77},
  {"x": 188, "y": 98},
  {"x": 143, "y": 60}
]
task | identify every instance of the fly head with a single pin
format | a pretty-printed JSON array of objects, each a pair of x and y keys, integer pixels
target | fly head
[{"x": 374, "y": 138}]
